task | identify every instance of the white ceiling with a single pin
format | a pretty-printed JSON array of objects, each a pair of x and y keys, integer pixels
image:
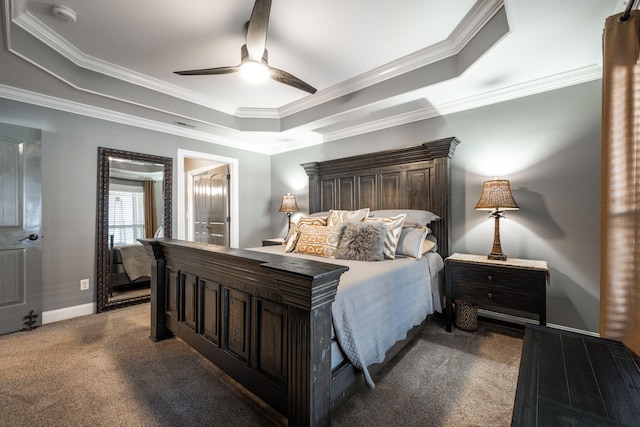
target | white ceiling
[{"x": 375, "y": 63}]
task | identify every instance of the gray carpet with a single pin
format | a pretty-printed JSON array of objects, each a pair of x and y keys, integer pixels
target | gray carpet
[{"x": 103, "y": 370}]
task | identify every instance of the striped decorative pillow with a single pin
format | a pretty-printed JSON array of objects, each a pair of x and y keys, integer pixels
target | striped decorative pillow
[{"x": 394, "y": 226}]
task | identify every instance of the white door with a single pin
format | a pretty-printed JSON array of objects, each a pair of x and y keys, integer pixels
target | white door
[
  {"x": 20, "y": 234},
  {"x": 211, "y": 206}
]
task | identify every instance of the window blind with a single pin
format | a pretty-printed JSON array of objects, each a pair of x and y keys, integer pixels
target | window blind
[{"x": 126, "y": 213}]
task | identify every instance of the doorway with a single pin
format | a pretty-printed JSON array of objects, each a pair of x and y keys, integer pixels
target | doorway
[{"x": 207, "y": 198}]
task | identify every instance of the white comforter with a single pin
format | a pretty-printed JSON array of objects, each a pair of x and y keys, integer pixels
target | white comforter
[{"x": 378, "y": 302}]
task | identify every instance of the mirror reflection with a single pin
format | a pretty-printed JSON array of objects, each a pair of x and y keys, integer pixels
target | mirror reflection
[{"x": 134, "y": 202}]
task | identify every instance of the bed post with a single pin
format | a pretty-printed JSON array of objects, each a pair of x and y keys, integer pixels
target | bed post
[
  {"x": 309, "y": 391},
  {"x": 308, "y": 302},
  {"x": 159, "y": 329},
  {"x": 312, "y": 169},
  {"x": 442, "y": 152}
]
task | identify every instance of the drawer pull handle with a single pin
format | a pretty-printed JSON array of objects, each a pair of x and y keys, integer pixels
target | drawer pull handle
[
  {"x": 490, "y": 277},
  {"x": 490, "y": 295}
]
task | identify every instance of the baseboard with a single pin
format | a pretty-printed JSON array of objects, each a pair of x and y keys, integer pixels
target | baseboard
[
  {"x": 523, "y": 320},
  {"x": 68, "y": 313}
]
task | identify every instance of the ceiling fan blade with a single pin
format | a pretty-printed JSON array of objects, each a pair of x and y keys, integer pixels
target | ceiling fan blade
[
  {"x": 209, "y": 71},
  {"x": 257, "y": 29},
  {"x": 291, "y": 80}
]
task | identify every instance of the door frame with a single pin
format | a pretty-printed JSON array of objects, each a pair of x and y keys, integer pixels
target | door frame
[{"x": 234, "y": 232}]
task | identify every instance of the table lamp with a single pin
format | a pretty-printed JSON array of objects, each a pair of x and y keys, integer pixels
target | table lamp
[
  {"x": 289, "y": 206},
  {"x": 496, "y": 197}
]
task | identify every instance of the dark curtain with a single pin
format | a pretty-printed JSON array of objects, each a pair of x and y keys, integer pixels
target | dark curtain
[{"x": 150, "y": 224}]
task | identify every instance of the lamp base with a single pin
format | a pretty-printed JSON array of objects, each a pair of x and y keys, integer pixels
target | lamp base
[
  {"x": 499, "y": 257},
  {"x": 496, "y": 250}
]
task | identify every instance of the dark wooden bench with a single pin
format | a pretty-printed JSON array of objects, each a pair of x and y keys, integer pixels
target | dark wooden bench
[{"x": 574, "y": 379}]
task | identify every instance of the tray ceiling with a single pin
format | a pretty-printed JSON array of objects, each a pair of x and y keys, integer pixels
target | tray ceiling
[{"x": 375, "y": 63}]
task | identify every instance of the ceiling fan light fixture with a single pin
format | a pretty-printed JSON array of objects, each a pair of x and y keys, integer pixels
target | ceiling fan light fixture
[{"x": 254, "y": 71}]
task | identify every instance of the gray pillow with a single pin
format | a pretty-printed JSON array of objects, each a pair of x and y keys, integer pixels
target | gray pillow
[
  {"x": 411, "y": 242},
  {"x": 362, "y": 241}
]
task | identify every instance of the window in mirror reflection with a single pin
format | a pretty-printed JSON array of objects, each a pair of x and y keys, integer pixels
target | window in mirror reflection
[{"x": 126, "y": 213}]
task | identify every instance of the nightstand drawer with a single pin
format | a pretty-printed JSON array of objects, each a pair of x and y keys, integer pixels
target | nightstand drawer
[
  {"x": 510, "y": 288},
  {"x": 520, "y": 279},
  {"x": 501, "y": 296},
  {"x": 515, "y": 284}
]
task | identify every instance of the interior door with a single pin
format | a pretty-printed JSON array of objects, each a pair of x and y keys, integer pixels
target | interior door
[
  {"x": 211, "y": 206},
  {"x": 20, "y": 232}
]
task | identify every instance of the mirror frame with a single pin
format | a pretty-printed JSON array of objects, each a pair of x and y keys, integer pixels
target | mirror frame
[{"x": 102, "y": 220}]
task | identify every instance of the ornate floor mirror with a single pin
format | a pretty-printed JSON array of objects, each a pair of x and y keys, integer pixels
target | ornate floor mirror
[{"x": 134, "y": 201}]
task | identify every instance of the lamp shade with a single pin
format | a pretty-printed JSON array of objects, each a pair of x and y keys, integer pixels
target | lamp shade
[
  {"x": 289, "y": 204},
  {"x": 496, "y": 194}
]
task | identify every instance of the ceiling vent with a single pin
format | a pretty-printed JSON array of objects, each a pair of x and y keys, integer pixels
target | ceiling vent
[{"x": 184, "y": 125}]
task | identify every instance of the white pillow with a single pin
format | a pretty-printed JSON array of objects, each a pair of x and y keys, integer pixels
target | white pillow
[{"x": 411, "y": 242}]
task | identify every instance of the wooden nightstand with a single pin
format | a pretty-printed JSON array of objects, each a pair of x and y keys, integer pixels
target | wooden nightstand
[
  {"x": 272, "y": 242},
  {"x": 517, "y": 284}
]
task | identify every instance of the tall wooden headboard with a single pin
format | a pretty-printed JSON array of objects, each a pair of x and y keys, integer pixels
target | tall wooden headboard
[{"x": 416, "y": 177}]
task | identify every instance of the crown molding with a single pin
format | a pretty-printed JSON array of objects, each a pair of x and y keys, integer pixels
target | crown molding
[
  {"x": 558, "y": 81},
  {"x": 385, "y": 123},
  {"x": 68, "y": 106},
  {"x": 257, "y": 113}
]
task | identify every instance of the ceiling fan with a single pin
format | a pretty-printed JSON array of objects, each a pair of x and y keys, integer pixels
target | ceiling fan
[{"x": 254, "y": 58}]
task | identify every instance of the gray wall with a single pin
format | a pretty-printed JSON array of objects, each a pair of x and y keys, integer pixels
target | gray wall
[
  {"x": 69, "y": 168},
  {"x": 547, "y": 145}
]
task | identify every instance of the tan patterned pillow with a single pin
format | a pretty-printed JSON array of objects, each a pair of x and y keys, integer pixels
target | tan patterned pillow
[
  {"x": 394, "y": 225},
  {"x": 319, "y": 240},
  {"x": 337, "y": 217},
  {"x": 305, "y": 220}
]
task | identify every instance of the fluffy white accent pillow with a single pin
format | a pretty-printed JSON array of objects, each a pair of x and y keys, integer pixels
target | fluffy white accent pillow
[{"x": 362, "y": 241}]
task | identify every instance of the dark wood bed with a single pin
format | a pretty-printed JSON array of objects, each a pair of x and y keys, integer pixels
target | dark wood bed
[{"x": 265, "y": 319}]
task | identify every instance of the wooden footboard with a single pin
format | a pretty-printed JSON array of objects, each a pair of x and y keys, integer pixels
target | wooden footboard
[{"x": 264, "y": 319}]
